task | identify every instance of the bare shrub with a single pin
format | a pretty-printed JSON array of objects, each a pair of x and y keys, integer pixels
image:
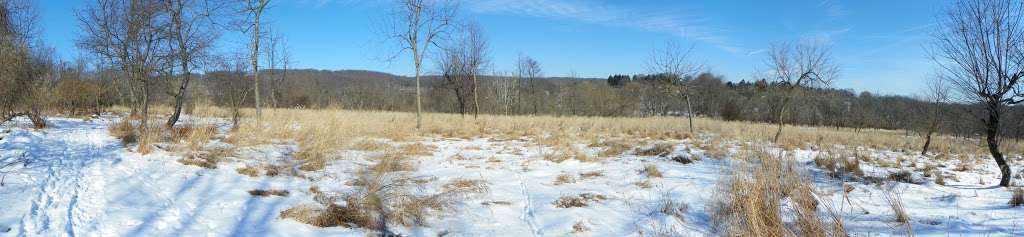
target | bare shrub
[{"x": 581, "y": 200}]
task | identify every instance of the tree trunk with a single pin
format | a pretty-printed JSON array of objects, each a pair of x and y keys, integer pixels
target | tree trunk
[
  {"x": 778, "y": 133},
  {"x": 927, "y": 142},
  {"x": 992, "y": 139},
  {"x": 689, "y": 111},
  {"x": 145, "y": 109},
  {"x": 179, "y": 99},
  {"x": 255, "y": 63},
  {"x": 419, "y": 104},
  {"x": 476, "y": 99}
]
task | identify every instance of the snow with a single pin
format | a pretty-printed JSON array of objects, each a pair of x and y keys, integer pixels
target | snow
[{"x": 80, "y": 181}]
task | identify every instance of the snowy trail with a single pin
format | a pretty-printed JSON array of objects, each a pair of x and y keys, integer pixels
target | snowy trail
[{"x": 65, "y": 153}]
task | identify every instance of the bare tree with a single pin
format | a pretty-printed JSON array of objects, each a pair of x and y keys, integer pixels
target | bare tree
[
  {"x": 22, "y": 63},
  {"x": 254, "y": 9},
  {"x": 476, "y": 59},
  {"x": 673, "y": 63},
  {"x": 529, "y": 70},
  {"x": 979, "y": 47},
  {"x": 128, "y": 33},
  {"x": 276, "y": 56},
  {"x": 795, "y": 68},
  {"x": 938, "y": 95},
  {"x": 454, "y": 70},
  {"x": 192, "y": 33},
  {"x": 417, "y": 25},
  {"x": 506, "y": 87}
]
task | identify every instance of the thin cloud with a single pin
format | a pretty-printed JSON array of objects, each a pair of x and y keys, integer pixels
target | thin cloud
[{"x": 670, "y": 22}]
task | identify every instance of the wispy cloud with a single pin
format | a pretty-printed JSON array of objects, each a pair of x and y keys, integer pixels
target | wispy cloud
[{"x": 663, "y": 21}]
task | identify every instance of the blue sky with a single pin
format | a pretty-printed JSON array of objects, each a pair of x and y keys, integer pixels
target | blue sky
[{"x": 879, "y": 45}]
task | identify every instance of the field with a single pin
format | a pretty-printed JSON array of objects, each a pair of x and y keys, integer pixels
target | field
[{"x": 354, "y": 173}]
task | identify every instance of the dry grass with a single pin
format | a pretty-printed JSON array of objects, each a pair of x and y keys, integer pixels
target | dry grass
[
  {"x": 369, "y": 145},
  {"x": 749, "y": 202},
  {"x": 207, "y": 159},
  {"x": 591, "y": 174},
  {"x": 383, "y": 196},
  {"x": 567, "y": 152},
  {"x": 266, "y": 193},
  {"x": 1018, "y": 197},
  {"x": 612, "y": 147},
  {"x": 903, "y": 176},
  {"x": 671, "y": 207},
  {"x": 337, "y": 128},
  {"x": 249, "y": 171},
  {"x": 651, "y": 171},
  {"x": 194, "y": 137},
  {"x": 564, "y": 178},
  {"x": 839, "y": 164},
  {"x": 658, "y": 149},
  {"x": 581, "y": 200},
  {"x": 895, "y": 202},
  {"x": 125, "y": 131},
  {"x": 580, "y": 227},
  {"x": 417, "y": 149},
  {"x": 391, "y": 161}
]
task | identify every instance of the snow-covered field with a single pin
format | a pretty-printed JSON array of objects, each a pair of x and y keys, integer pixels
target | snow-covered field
[{"x": 74, "y": 179}]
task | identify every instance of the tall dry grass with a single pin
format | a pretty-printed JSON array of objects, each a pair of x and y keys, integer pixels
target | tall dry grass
[
  {"x": 341, "y": 128},
  {"x": 749, "y": 201}
]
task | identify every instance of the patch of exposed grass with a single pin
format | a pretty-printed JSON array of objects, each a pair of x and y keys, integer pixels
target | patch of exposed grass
[
  {"x": 651, "y": 171},
  {"x": 658, "y": 149},
  {"x": 581, "y": 200},
  {"x": 564, "y": 178},
  {"x": 249, "y": 171}
]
